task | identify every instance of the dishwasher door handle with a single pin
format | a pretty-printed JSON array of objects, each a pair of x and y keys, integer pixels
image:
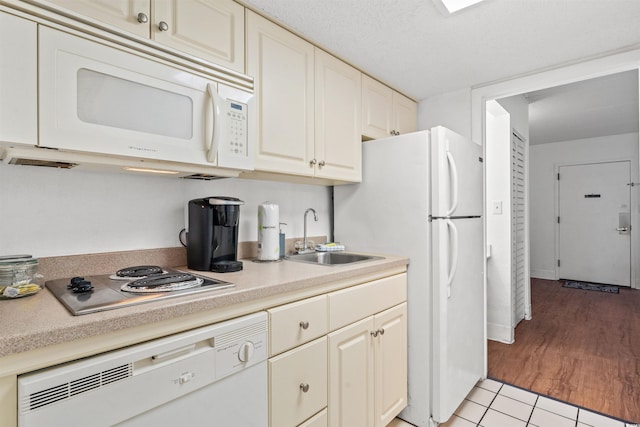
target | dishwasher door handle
[{"x": 173, "y": 353}]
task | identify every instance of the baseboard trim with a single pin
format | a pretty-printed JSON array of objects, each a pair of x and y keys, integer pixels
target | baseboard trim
[
  {"x": 543, "y": 274},
  {"x": 500, "y": 333}
]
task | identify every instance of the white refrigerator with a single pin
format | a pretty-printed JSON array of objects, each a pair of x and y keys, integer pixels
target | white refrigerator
[{"x": 421, "y": 196}]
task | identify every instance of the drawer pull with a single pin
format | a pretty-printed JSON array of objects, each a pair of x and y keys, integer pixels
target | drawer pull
[
  {"x": 304, "y": 387},
  {"x": 142, "y": 18},
  {"x": 378, "y": 332},
  {"x": 304, "y": 324}
]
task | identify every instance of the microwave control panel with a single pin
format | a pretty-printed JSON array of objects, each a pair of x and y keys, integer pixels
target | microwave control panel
[{"x": 237, "y": 129}]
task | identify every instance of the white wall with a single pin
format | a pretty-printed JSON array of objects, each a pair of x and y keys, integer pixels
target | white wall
[
  {"x": 451, "y": 110},
  {"x": 502, "y": 118},
  {"x": 498, "y": 226},
  {"x": 544, "y": 159},
  {"x": 52, "y": 212}
]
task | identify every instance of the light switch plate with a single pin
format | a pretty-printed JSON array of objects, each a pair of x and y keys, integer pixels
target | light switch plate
[{"x": 497, "y": 207}]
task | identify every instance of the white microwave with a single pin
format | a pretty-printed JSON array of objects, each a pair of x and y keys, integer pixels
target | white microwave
[{"x": 99, "y": 99}]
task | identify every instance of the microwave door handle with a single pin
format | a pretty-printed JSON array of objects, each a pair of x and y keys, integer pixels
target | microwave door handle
[{"x": 217, "y": 103}]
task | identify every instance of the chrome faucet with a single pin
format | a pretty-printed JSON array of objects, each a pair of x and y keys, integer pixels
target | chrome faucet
[{"x": 305, "y": 249}]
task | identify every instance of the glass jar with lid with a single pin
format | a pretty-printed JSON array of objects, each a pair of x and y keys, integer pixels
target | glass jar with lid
[{"x": 19, "y": 276}]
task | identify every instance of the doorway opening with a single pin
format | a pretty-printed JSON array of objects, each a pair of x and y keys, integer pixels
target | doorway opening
[{"x": 617, "y": 143}]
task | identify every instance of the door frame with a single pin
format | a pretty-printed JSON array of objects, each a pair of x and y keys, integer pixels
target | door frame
[
  {"x": 598, "y": 67},
  {"x": 556, "y": 210}
]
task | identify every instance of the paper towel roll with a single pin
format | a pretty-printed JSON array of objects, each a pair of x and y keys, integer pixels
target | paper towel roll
[{"x": 268, "y": 239}]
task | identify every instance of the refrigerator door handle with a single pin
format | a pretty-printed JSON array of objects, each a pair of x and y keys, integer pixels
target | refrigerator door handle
[
  {"x": 454, "y": 183},
  {"x": 453, "y": 254}
]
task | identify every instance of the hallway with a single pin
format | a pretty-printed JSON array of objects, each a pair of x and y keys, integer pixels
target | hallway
[{"x": 581, "y": 347}]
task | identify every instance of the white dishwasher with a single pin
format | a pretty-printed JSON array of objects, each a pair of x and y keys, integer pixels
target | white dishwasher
[{"x": 211, "y": 376}]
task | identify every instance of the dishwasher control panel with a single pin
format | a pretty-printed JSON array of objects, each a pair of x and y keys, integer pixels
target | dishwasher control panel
[{"x": 241, "y": 347}]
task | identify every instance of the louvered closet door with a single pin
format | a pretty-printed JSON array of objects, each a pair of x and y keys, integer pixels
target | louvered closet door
[{"x": 518, "y": 236}]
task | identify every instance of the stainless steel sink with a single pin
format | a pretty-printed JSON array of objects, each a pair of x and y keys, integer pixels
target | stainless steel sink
[{"x": 332, "y": 258}]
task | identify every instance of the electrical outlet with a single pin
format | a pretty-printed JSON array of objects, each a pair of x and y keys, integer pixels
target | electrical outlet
[{"x": 497, "y": 207}]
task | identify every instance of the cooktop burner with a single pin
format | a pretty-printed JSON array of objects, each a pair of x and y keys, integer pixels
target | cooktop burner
[
  {"x": 167, "y": 282},
  {"x": 130, "y": 286}
]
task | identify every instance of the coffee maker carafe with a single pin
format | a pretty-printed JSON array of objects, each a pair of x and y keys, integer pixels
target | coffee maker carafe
[{"x": 212, "y": 235}]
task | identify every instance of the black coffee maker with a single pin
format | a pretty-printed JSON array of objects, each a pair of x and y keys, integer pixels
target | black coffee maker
[{"x": 212, "y": 237}]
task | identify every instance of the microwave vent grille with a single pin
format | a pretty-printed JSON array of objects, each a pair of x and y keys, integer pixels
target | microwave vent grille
[
  {"x": 42, "y": 163},
  {"x": 203, "y": 177}
]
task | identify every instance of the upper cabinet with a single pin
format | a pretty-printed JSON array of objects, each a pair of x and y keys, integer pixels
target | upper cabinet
[
  {"x": 18, "y": 80},
  {"x": 282, "y": 66},
  {"x": 338, "y": 148},
  {"x": 308, "y": 106},
  {"x": 212, "y": 30},
  {"x": 385, "y": 112}
]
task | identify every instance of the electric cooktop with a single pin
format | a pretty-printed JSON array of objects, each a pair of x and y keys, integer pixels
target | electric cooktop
[{"x": 129, "y": 286}]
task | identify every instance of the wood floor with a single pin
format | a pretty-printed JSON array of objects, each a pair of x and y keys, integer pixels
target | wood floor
[{"x": 582, "y": 347}]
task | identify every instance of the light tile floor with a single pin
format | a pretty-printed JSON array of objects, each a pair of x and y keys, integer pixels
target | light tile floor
[{"x": 494, "y": 404}]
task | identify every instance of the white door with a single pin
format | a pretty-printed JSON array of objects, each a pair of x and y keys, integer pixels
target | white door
[{"x": 593, "y": 224}]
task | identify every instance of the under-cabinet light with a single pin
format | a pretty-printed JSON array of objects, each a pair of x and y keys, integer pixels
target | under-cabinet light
[{"x": 160, "y": 171}]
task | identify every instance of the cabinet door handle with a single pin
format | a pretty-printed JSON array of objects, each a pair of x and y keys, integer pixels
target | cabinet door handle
[
  {"x": 374, "y": 333},
  {"x": 163, "y": 26},
  {"x": 312, "y": 162},
  {"x": 304, "y": 324},
  {"x": 142, "y": 18},
  {"x": 304, "y": 387},
  {"x": 381, "y": 331},
  {"x": 322, "y": 163}
]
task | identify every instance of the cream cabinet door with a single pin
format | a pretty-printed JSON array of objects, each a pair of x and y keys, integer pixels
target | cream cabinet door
[
  {"x": 351, "y": 375},
  {"x": 282, "y": 66},
  {"x": 338, "y": 146},
  {"x": 18, "y": 80},
  {"x": 130, "y": 15},
  {"x": 390, "y": 363},
  {"x": 385, "y": 112},
  {"x": 405, "y": 114},
  {"x": 208, "y": 29},
  {"x": 377, "y": 104}
]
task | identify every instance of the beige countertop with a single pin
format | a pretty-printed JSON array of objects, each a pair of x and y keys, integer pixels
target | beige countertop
[{"x": 40, "y": 321}]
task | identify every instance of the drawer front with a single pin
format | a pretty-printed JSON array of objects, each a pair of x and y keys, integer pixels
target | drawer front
[
  {"x": 352, "y": 304},
  {"x": 298, "y": 384},
  {"x": 297, "y": 323},
  {"x": 318, "y": 420}
]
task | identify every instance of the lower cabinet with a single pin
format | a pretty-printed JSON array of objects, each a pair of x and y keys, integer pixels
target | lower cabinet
[
  {"x": 368, "y": 370},
  {"x": 340, "y": 359},
  {"x": 298, "y": 384}
]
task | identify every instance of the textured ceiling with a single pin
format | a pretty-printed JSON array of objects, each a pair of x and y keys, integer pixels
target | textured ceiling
[
  {"x": 411, "y": 46},
  {"x": 591, "y": 108}
]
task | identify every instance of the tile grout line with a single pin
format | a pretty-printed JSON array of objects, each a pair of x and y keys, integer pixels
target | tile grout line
[
  {"x": 533, "y": 408},
  {"x": 490, "y": 403}
]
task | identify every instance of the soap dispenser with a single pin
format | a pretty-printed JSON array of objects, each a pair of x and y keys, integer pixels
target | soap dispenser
[{"x": 282, "y": 241}]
